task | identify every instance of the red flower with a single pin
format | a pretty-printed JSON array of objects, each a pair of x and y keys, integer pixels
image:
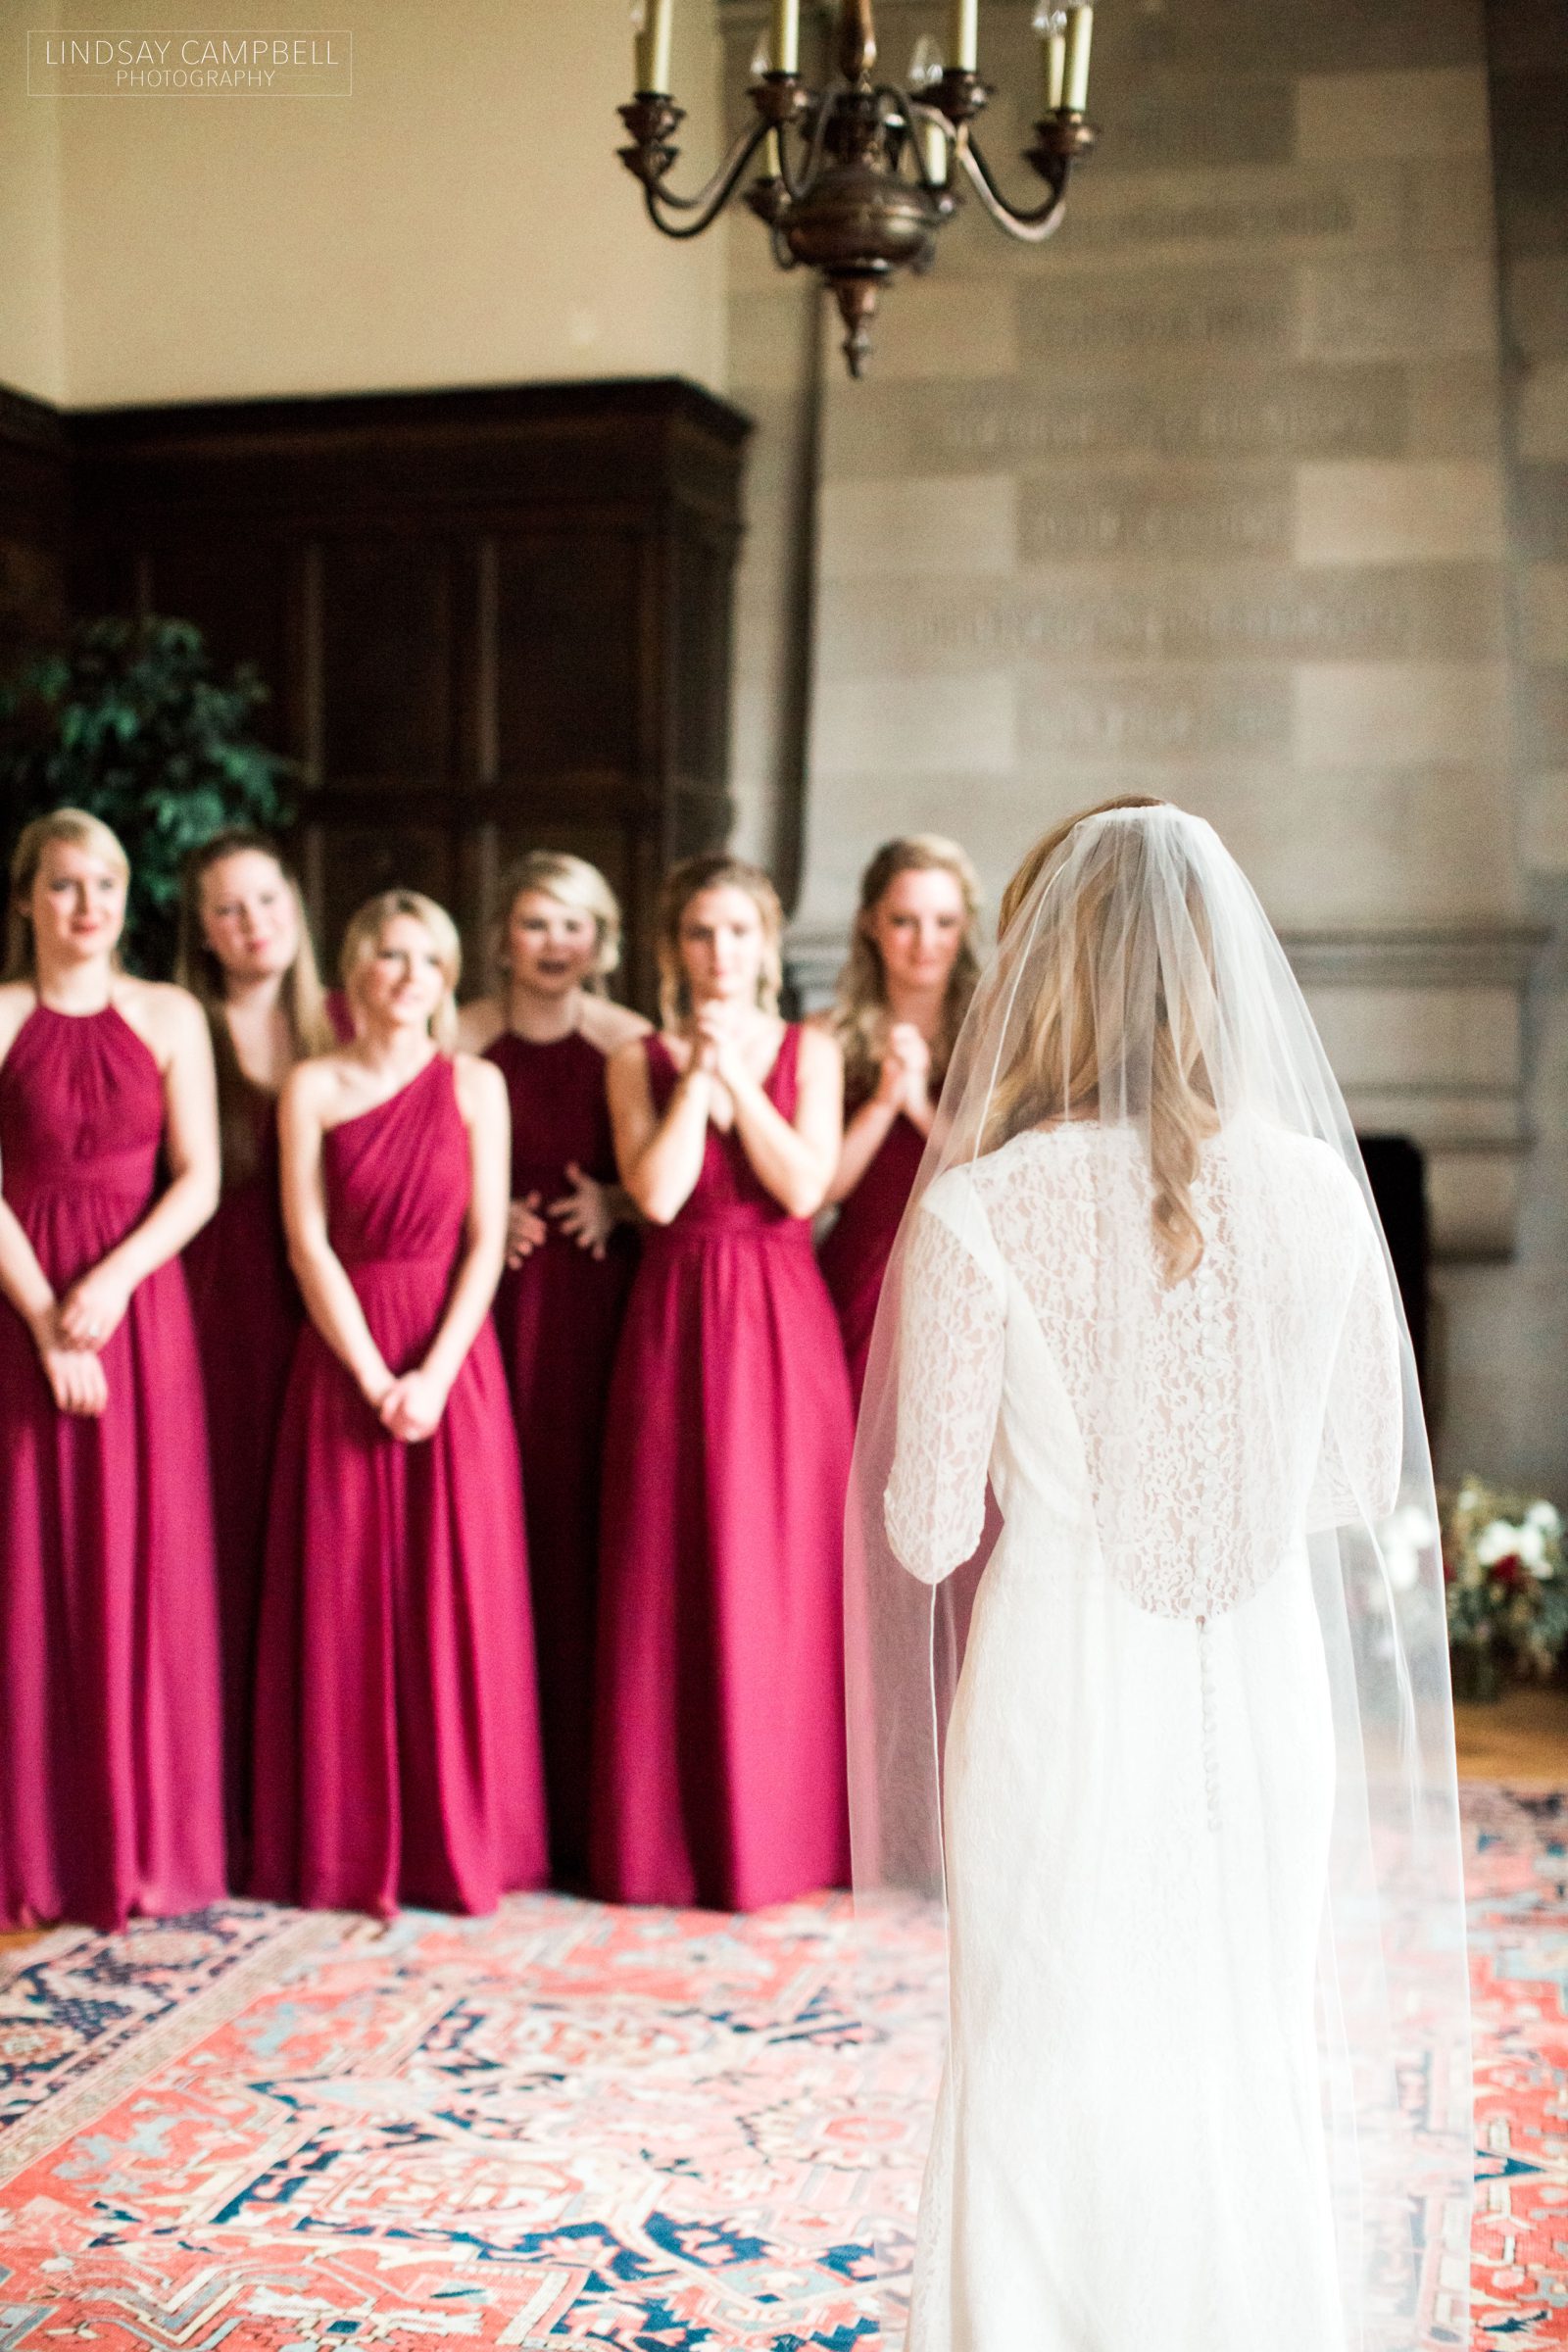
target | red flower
[{"x": 1508, "y": 1571}]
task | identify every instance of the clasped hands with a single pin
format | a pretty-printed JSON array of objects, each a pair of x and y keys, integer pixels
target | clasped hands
[
  {"x": 411, "y": 1409},
  {"x": 69, "y": 1334}
]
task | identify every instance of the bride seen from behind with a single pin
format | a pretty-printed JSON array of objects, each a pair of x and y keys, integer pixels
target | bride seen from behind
[{"x": 1196, "y": 1832}]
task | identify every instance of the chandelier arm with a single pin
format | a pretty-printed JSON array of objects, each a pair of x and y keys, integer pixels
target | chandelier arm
[
  {"x": 1030, "y": 228},
  {"x": 900, "y": 115},
  {"x": 798, "y": 190},
  {"x": 710, "y": 201}
]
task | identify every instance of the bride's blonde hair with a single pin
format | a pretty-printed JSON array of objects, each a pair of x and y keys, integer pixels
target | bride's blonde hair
[{"x": 1063, "y": 1058}]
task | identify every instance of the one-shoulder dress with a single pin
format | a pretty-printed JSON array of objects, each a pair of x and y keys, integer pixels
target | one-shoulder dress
[
  {"x": 559, "y": 1317},
  {"x": 110, "y": 1778},
  {"x": 719, "y": 1745},
  {"x": 397, "y": 1738},
  {"x": 248, "y": 1316}
]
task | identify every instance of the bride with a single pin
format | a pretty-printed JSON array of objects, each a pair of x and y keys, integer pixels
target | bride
[{"x": 1206, "y": 2071}]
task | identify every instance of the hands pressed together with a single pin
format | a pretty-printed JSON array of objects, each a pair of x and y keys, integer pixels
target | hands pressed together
[
  {"x": 904, "y": 1083},
  {"x": 717, "y": 1029}
]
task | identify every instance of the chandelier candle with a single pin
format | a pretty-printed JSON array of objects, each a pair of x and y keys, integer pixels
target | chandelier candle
[
  {"x": 966, "y": 35},
  {"x": 1080, "y": 31},
  {"x": 1051, "y": 26},
  {"x": 654, "y": 23},
  {"x": 787, "y": 35}
]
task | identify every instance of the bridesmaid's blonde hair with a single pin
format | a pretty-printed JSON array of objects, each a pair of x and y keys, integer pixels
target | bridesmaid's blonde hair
[
  {"x": 197, "y": 969},
  {"x": 85, "y": 832},
  {"x": 687, "y": 881},
  {"x": 571, "y": 882},
  {"x": 859, "y": 1015},
  {"x": 1054, "y": 1071},
  {"x": 364, "y": 936}
]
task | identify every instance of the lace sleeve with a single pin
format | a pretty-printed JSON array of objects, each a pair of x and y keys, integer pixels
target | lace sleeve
[
  {"x": 950, "y": 1392},
  {"x": 1363, "y": 1432}
]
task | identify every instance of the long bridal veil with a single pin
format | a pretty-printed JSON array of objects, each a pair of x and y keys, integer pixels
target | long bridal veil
[{"x": 1140, "y": 1367}]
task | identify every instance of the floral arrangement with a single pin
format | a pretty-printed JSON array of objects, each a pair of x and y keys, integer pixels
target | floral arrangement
[{"x": 1507, "y": 1574}]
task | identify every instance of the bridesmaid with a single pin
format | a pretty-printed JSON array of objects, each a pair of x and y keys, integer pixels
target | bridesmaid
[
  {"x": 397, "y": 1741},
  {"x": 718, "y": 1766},
  {"x": 245, "y": 955},
  {"x": 110, "y": 1778},
  {"x": 570, "y": 1257},
  {"x": 902, "y": 999}
]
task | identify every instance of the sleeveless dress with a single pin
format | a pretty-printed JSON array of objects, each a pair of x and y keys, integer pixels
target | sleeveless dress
[
  {"x": 397, "y": 1741},
  {"x": 855, "y": 1256},
  {"x": 110, "y": 1782},
  {"x": 248, "y": 1315},
  {"x": 559, "y": 1317},
  {"x": 720, "y": 1760}
]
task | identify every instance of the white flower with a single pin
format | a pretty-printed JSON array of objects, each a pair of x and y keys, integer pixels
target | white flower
[
  {"x": 1497, "y": 1541},
  {"x": 1533, "y": 1549},
  {"x": 1548, "y": 1517}
]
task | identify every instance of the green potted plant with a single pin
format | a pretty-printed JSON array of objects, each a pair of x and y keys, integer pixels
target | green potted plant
[
  {"x": 1506, "y": 1575},
  {"x": 130, "y": 721}
]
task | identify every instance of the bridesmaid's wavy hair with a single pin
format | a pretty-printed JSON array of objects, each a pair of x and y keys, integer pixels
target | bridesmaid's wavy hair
[
  {"x": 572, "y": 882},
  {"x": 197, "y": 969},
  {"x": 1054, "y": 1072},
  {"x": 85, "y": 832},
  {"x": 859, "y": 1017},
  {"x": 685, "y": 882},
  {"x": 364, "y": 936}
]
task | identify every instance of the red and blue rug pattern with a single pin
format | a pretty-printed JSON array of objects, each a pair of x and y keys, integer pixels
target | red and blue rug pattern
[{"x": 572, "y": 2125}]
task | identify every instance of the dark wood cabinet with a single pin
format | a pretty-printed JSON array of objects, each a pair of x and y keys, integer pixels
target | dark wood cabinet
[{"x": 492, "y": 619}]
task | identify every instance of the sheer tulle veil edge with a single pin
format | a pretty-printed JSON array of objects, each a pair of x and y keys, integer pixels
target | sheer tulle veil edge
[{"x": 1141, "y": 1161}]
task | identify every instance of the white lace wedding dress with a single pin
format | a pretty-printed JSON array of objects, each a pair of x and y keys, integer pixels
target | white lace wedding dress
[{"x": 1139, "y": 1782}]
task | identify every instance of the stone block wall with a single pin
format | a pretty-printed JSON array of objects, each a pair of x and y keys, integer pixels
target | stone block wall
[
  {"x": 1507, "y": 1326},
  {"x": 1220, "y": 495}
]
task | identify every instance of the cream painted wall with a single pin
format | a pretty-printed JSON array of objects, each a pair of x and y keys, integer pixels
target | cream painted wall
[
  {"x": 32, "y": 354},
  {"x": 460, "y": 219}
]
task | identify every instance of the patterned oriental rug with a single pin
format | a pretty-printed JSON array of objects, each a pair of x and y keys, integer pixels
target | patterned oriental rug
[{"x": 572, "y": 2125}]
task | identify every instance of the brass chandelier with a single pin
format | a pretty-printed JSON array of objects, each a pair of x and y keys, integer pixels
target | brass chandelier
[{"x": 857, "y": 178}]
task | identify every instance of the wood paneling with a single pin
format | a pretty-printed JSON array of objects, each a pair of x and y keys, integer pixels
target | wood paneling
[
  {"x": 493, "y": 620},
  {"x": 35, "y": 502},
  {"x": 566, "y": 653}
]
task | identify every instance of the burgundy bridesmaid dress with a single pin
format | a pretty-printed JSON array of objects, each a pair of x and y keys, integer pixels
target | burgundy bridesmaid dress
[
  {"x": 559, "y": 1317},
  {"x": 855, "y": 1255},
  {"x": 111, "y": 1793},
  {"x": 397, "y": 1738},
  {"x": 248, "y": 1316},
  {"x": 719, "y": 1764}
]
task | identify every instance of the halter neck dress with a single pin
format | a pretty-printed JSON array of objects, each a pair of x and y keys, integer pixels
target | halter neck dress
[
  {"x": 248, "y": 1316},
  {"x": 110, "y": 1780},
  {"x": 559, "y": 1317}
]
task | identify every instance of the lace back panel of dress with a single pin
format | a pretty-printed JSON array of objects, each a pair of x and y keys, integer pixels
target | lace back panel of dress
[{"x": 1201, "y": 1404}]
